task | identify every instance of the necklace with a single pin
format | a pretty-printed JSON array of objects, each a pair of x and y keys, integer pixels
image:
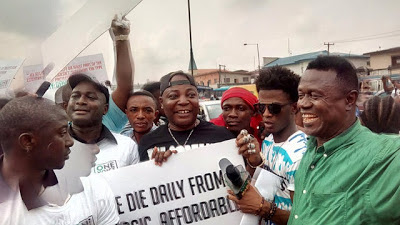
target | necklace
[{"x": 187, "y": 139}]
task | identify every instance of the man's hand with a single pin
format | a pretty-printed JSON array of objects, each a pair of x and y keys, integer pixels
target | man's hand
[
  {"x": 249, "y": 148},
  {"x": 120, "y": 26},
  {"x": 161, "y": 157},
  {"x": 250, "y": 202}
]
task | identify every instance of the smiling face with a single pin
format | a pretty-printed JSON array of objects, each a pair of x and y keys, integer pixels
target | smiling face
[
  {"x": 141, "y": 112},
  {"x": 322, "y": 104},
  {"x": 181, "y": 104},
  {"x": 87, "y": 105},
  {"x": 237, "y": 114},
  {"x": 277, "y": 123}
]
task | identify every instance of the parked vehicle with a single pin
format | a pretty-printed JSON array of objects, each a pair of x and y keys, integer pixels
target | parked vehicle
[{"x": 210, "y": 109}]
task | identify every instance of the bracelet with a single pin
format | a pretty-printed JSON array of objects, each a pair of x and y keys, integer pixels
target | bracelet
[
  {"x": 260, "y": 208},
  {"x": 122, "y": 37},
  {"x": 261, "y": 164},
  {"x": 271, "y": 212}
]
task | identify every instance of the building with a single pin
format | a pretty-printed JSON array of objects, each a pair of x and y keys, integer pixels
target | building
[
  {"x": 382, "y": 63},
  {"x": 385, "y": 62},
  {"x": 216, "y": 78},
  {"x": 298, "y": 63}
]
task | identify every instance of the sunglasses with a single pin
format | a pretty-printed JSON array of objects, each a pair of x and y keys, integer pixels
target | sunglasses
[{"x": 273, "y": 108}]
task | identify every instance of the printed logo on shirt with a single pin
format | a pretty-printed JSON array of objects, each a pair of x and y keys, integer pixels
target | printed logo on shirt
[
  {"x": 87, "y": 221},
  {"x": 179, "y": 148},
  {"x": 104, "y": 167}
]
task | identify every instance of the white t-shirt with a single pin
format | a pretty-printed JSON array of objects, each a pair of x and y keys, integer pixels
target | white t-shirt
[
  {"x": 94, "y": 206},
  {"x": 284, "y": 159},
  {"x": 113, "y": 156},
  {"x": 13, "y": 210}
]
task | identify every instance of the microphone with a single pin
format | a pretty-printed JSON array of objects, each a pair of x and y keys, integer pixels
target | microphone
[
  {"x": 43, "y": 88},
  {"x": 46, "y": 84},
  {"x": 236, "y": 177}
]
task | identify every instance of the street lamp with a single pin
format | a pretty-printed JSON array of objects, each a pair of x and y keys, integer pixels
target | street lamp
[{"x": 258, "y": 53}]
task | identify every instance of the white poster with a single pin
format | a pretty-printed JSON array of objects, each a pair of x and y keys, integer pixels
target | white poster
[
  {"x": 84, "y": 27},
  {"x": 187, "y": 189},
  {"x": 8, "y": 69},
  {"x": 92, "y": 65}
]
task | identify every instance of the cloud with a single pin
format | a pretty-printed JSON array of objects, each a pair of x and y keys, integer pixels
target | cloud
[{"x": 32, "y": 18}]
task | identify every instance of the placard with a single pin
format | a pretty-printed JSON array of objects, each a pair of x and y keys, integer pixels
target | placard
[
  {"x": 8, "y": 69},
  {"x": 92, "y": 65},
  {"x": 187, "y": 189}
]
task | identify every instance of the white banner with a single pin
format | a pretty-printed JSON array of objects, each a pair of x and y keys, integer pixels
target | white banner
[
  {"x": 84, "y": 27},
  {"x": 187, "y": 189},
  {"x": 8, "y": 69},
  {"x": 92, "y": 65}
]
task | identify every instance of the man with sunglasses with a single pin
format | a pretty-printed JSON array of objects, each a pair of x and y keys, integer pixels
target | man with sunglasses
[{"x": 281, "y": 151}]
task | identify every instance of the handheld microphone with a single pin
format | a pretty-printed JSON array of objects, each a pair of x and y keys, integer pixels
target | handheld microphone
[
  {"x": 46, "y": 84},
  {"x": 43, "y": 88},
  {"x": 237, "y": 177}
]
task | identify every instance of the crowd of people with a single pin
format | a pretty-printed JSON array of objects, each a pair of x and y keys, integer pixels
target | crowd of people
[{"x": 331, "y": 166}]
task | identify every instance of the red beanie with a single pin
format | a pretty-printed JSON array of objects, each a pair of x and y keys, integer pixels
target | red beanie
[{"x": 242, "y": 93}]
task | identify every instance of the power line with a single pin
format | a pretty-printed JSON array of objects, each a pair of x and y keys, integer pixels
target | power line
[
  {"x": 370, "y": 37},
  {"x": 367, "y": 39}
]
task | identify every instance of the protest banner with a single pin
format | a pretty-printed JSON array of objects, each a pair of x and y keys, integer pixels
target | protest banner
[
  {"x": 92, "y": 65},
  {"x": 187, "y": 189},
  {"x": 8, "y": 69}
]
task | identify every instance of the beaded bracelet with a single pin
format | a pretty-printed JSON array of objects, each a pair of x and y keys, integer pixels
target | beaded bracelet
[
  {"x": 271, "y": 212},
  {"x": 244, "y": 188}
]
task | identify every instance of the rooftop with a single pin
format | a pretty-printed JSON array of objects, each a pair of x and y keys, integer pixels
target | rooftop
[
  {"x": 308, "y": 56},
  {"x": 396, "y": 49},
  {"x": 202, "y": 72}
]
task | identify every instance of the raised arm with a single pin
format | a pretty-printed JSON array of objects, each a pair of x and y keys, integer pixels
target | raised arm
[{"x": 120, "y": 29}]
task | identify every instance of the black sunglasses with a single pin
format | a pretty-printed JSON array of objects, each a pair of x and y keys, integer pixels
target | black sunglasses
[{"x": 273, "y": 108}]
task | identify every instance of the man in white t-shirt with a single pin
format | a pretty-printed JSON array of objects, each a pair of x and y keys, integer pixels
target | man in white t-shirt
[
  {"x": 94, "y": 206},
  {"x": 35, "y": 141},
  {"x": 86, "y": 107},
  {"x": 89, "y": 199},
  {"x": 281, "y": 151}
]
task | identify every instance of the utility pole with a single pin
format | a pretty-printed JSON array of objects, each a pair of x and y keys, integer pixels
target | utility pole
[
  {"x": 258, "y": 54},
  {"x": 329, "y": 44},
  {"x": 192, "y": 63}
]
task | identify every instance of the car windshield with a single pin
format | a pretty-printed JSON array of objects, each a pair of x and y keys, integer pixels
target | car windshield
[{"x": 214, "y": 110}]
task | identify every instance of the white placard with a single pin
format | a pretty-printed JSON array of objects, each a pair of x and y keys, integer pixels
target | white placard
[
  {"x": 189, "y": 187},
  {"x": 92, "y": 65},
  {"x": 84, "y": 27},
  {"x": 8, "y": 69}
]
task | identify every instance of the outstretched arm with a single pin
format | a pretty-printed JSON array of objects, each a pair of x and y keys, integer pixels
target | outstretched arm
[{"x": 120, "y": 29}]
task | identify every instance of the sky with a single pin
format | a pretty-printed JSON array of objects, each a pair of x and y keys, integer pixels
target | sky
[{"x": 160, "y": 30}]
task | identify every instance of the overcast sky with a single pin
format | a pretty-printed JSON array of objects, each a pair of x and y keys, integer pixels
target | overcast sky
[{"x": 160, "y": 36}]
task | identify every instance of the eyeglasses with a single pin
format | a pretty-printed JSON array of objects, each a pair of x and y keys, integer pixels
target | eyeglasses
[{"x": 273, "y": 108}]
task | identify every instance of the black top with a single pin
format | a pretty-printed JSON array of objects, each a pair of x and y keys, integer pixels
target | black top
[
  {"x": 105, "y": 134},
  {"x": 204, "y": 133}
]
